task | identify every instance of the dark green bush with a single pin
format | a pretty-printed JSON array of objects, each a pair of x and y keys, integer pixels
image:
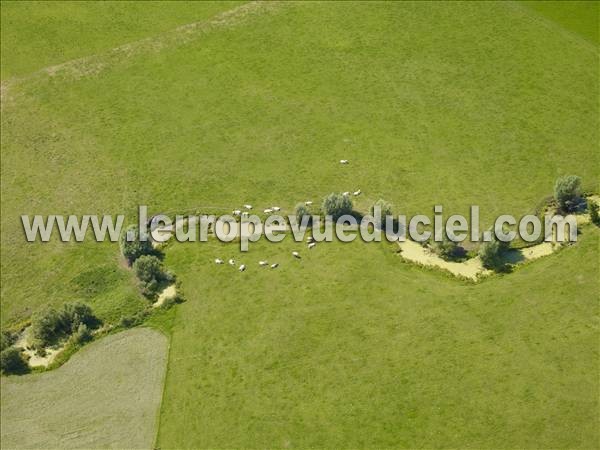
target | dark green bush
[
  {"x": 135, "y": 248},
  {"x": 448, "y": 249},
  {"x": 567, "y": 191},
  {"x": 301, "y": 211},
  {"x": 82, "y": 335},
  {"x": 491, "y": 254},
  {"x": 7, "y": 339},
  {"x": 12, "y": 361},
  {"x": 149, "y": 289},
  {"x": 593, "y": 209},
  {"x": 148, "y": 268},
  {"x": 133, "y": 319},
  {"x": 149, "y": 271},
  {"x": 385, "y": 208},
  {"x": 51, "y": 325},
  {"x": 337, "y": 205}
]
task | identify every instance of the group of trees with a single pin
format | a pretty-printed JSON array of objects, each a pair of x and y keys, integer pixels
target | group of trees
[
  {"x": 11, "y": 358},
  {"x": 74, "y": 320},
  {"x": 145, "y": 262},
  {"x": 150, "y": 272}
]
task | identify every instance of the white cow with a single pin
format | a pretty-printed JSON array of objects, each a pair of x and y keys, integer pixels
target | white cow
[
  {"x": 242, "y": 267},
  {"x": 218, "y": 261}
]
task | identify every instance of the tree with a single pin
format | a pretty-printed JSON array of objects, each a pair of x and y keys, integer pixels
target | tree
[
  {"x": 385, "y": 209},
  {"x": 384, "y": 206},
  {"x": 11, "y": 361},
  {"x": 302, "y": 211},
  {"x": 491, "y": 254},
  {"x": 448, "y": 249},
  {"x": 77, "y": 314},
  {"x": 6, "y": 340},
  {"x": 593, "y": 209},
  {"x": 50, "y": 325},
  {"x": 148, "y": 268},
  {"x": 567, "y": 190},
  {"x": 81, "y": 335},
  {"x": 337, "y": 205},
  {"x": 132, "y": 247}
]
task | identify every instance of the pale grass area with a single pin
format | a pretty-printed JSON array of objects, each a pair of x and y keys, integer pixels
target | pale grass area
[
  {"x": 167, "y": 293},
  {"x": 416, "y": 253},
  {"x": 34, "y": 360},
  {"x": 106, "y": 396},
  {"x": 473, "y": 268}
]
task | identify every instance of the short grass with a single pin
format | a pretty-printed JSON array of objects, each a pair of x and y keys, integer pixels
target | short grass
[
  {"x": 261, "y": 110},
  {"x": 38, "y": 34},
  {"x": 452, "y": 103},
  {"x": 349, "y": 345},
  {"x": 106, "y": 396}
]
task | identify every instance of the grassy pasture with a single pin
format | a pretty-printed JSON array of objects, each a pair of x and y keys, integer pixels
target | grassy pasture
[
  {"x": 106, "y": 396},
  {"x": 452, "y": 103},
  {"x": 580, "y": 17},
  {"x": 261, "y": 110},
  {"x": 349, "y": 345},
  {"x": 38, "y": 34}
]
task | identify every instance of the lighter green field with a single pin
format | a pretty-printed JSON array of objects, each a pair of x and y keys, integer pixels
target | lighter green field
[
  {"x": 107, "y": 395},
  {"x": 433, "y": 103}
]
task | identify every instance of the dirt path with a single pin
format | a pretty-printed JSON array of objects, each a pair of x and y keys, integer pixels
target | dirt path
[{"x": 94, "y": 64}]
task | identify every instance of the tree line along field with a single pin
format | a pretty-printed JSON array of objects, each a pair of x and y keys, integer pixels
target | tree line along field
[{"x": 433, "y": 103}]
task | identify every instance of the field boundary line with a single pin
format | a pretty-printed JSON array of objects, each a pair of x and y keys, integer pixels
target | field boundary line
[
  {"x": 163, "y": 388},
  {"x": 553, "y": 26},
  {"x": 93, "y": 64}
]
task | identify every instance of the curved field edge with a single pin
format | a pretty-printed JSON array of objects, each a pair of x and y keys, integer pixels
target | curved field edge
[{"x": 106, "y": 395}]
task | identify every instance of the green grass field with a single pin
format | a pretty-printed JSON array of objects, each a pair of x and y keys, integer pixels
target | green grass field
[{"x": 457, "y": 104}]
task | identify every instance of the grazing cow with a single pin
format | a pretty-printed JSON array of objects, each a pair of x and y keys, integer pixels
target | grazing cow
[
  {"x": 344, "y": 161},
  {"x": 274, "y": 266},
  {"x": 218, "y": 261},
  {"x": 242, "y": 267},
  {"x": 263, "y": 263},
  {"x": 296, "y": 255},
  {"x": 308, "y": 203},
  {"x": 232, "y": 262},
  {"x": 275, "y": 208},
  {"x": 312, "y": 245},
  {"x": 248, "y": 206},
  {"x": 357, "y": 192}
]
